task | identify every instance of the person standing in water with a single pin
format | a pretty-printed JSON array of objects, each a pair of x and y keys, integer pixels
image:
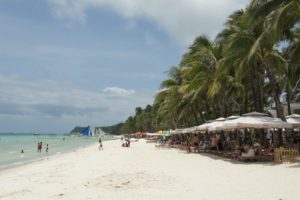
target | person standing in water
[
  {"x": 39, "y": 147},
  {"x": 47, "y": 148},
  {"x": 100, "y": 144}
]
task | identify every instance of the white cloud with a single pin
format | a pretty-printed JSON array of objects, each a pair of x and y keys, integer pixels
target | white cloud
[
  {"x": 118, "y": 91},
  {"x": 61, "y": 100},
  {"x": 183, "y": 20}
]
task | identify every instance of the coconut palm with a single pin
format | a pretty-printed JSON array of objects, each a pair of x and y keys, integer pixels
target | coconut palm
[
  {"x": 238, "y": 40},
  {"x": 169, "y": 97}
]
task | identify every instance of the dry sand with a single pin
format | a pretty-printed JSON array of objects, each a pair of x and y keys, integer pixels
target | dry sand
[{"x": 145, "y": 172}]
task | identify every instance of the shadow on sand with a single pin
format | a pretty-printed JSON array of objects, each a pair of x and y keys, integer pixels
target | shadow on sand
[{"x": 216, "y": 157}]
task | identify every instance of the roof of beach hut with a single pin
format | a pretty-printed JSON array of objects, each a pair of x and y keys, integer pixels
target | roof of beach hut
[{"x": 294, "y": 120}]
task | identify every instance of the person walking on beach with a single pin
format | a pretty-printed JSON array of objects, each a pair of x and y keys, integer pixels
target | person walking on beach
[{"x": 100, "y": 144}]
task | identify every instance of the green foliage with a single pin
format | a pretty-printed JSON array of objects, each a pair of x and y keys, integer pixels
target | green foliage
[
  {"x": 114, "y": 129},
  {"x": 246, "y": 68}
]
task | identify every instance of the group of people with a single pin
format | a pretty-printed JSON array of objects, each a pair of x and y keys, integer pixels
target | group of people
[
  {"x": 40, "y": 146},
  {"x": 125, "y": 142}
]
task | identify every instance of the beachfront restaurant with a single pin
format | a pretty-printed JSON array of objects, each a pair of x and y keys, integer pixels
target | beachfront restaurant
[{"x": 251, "y": 137}]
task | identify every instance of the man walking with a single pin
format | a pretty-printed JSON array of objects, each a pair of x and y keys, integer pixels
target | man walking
[{"x": 100, "y": 144}]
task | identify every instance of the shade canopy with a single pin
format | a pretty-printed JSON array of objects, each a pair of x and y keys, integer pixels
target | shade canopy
[
  {"x": 232, "y": 117},
  {"x": 258, "y": 122},
  {"x": 214, "y": 126},
  {"x": 152, "y": 134},
  {"x": 203, "y": 127},
  {"x": 255, "y": 114},
  {"x": 185, "y": 130},
  {"x": 294, "y": 120},
  {"x": 218, "y": 125}
]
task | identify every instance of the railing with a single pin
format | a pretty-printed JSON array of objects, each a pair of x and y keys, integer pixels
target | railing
[{"x": 285, "y": 155}]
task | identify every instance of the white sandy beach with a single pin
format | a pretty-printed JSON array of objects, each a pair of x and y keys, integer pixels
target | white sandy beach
[{"x": 145, "y": 172}]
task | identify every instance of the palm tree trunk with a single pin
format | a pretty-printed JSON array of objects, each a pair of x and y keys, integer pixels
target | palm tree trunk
[
  {"x": 254, "y": 97},
  {"x": 288, "y": 97},
  {"x": 207, "y": 106},
  {"x": 194, "y": 113},
  {"x": 275, "y": 92},
  {"x": 256, "y": 89},
  {"x": 174, "y": 122},
  {"x": 225, "y": 108},
  {"x": 245, "y": 102}
]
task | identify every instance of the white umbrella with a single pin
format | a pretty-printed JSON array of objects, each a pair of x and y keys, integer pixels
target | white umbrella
[
  {"x": 294, "y": 120},
  {"x": 256, "y": 122},
  {"x": 178, "y": 131},
  {"x": 256, "y": 114},
  {"x": 186, "y": 130},
  {"x": 203, "y": 127},
  {"x": 214, "y": 126},
  {"x": 232, "y": 117},
  {"x": 219, "y": 125}
]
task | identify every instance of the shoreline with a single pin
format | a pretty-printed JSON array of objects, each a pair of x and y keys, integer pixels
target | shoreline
[
  {"x": 44, "y": 157},
  {"x": 146, "y": 172}
]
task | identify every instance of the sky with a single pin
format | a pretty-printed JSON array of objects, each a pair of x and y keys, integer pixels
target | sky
[{"x": 66, "y": 63}]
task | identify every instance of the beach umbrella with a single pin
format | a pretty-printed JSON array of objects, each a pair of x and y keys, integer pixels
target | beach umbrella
[
  {"x": 233, "y": 117},
  {"x": 166, "y": 134},
  {"x": 214, "y": 126},
  {"x": 204, "y": 127},
  {"x": 259, "y": 122},
  {"x": 152, "y": 134},
  {"x": 176, "y": 131},
  {"x": 219, "y": 125},
  {"x": 189, "y": 130},
  {"x": 193, "y": 129},
  {"x": 255, "y": 114},
  {"x": 294, "y": 120}
]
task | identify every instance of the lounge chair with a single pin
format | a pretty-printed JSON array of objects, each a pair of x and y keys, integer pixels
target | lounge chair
[{"x": 249, "y": 156}]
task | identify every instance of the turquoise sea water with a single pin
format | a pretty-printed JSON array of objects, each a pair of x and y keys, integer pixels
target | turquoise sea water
[{"x": 11, "y": 146}]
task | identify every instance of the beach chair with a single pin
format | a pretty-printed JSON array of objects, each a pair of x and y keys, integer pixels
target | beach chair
[{"x": 265, "y": 154}]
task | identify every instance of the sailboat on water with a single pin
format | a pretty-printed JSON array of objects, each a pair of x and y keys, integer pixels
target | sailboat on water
[{"x": 87, "y": 131}]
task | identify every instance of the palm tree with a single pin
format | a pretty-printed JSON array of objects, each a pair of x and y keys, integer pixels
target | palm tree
[
  {"x": 198, "y": 68},
  {"x": 279, "y": 16},
  {"x": 291, "y": 54},
  {"x": 169, "y": 97}
]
